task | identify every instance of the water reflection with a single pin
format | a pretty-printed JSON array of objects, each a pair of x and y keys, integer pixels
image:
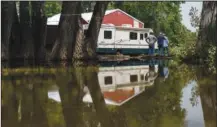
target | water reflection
[{"x": 119, "y": 94}]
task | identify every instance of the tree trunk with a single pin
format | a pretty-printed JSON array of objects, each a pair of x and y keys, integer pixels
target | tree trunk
[
  {"x": 26, "y": 31},
  {"x": 207, "y": 31},
  {"x": 7, "y": 20},
  {"x": 79, "y": 48},
  {"x": 15, "y": 43},
  {"x": 67, "y": 33},
  {"x": 39, "y": 25},
  {"x": 92, "y": 34}
]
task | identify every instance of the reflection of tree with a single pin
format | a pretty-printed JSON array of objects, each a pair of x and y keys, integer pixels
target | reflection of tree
[
  {"x": 207, "y": 92},
  {"x": 208, "y": 100},
  {"x": 98, "y": 100},
  {"x": 24, "y": 101},
  {"x": 9, "y": 103},
  {"x": 40, "y": 99},
  {"x": 195, "y": 94},
  {"x": 71, "y": 97}
]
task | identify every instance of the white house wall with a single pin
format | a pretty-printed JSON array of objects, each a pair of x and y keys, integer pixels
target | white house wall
[
  {"x": 121, "y": 39},
  {"x": 106, "y": 43}
]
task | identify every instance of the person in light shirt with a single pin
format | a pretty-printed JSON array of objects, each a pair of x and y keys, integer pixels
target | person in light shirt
[
  {"x": 165, "y": 46},
  {"x": 151, "y": 39}
]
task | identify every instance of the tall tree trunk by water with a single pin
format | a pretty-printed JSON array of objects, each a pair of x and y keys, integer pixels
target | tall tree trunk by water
[
  {"x": 7, "y": 11},
  {"x": 207, "y": 31},
  {"x": 26, "y": 31},
  {"x": 79, "y": 48},
  {"x": 67, "y": 33},
  {"x": 91, "y": 37},
  {"x": 39, "y": 23},
  {"x": 15, "y": 43}
]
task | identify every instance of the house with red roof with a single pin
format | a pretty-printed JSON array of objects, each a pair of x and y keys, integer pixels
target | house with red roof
[{"x": 116, "y": 17}]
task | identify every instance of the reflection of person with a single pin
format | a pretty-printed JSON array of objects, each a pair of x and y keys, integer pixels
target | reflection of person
[
  {"x": 151, "y": 75},
  {"x": 163, "y": 69},
  {"x": 151, "y": 39}
]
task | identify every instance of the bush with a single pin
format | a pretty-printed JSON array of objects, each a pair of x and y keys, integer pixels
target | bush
[
  {"x": 211, "y": 59},
  {"x": 184, "y": 50}
]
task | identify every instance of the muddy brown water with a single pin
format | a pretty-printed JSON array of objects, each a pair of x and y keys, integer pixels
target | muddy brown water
[{"x": 149, "y": 93}]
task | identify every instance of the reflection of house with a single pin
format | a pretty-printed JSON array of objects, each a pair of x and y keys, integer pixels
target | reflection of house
[
  {"x": 118, "y": 84},
  {"x": 122, "y": 75},
  {"x": 122, "y": 83}
]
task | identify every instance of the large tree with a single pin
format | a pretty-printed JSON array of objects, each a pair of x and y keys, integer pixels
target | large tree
[
  {"x": 91, "y": 37},
  {"x": 7, "y": 11},
  {"x": 15, "y": 42},
  {"x": 26, "y": 30},
  {"x": 67, "y": 33},
  {"x": 39, "y": 23},
  {"x": 207, "y": 30}
]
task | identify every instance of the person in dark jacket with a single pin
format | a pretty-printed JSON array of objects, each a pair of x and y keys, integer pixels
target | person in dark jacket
[{"x": 160, "y": 41}]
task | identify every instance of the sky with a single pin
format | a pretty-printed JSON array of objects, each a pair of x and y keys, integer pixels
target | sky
[{"x": 185, "y": 10}]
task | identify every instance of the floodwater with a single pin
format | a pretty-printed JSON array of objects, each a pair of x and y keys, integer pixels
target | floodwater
[{"x": 151, "y": 93}]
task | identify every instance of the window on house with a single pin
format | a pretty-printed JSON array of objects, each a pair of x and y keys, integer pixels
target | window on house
[
  {"x": 146, "y": 35},
  {"x": 142, "y": 77},
  {"x": 133, "y": 78},
  {"x": 108, "y": 80},
  {"x": 133, "y": 36},
  {"x": 141, "y": 36},
  {"x": 107, "y": 34}
]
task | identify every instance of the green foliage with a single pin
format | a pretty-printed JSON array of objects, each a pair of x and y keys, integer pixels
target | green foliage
[
  {"x": 87, "y": 6},
  {"x": 185, "y": 49},
  {"x": 211, "y": 60},
  {"x": 52, "y": 8}
]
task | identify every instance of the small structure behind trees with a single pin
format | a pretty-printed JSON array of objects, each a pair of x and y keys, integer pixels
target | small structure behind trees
[{"x": 27, "y": 30}]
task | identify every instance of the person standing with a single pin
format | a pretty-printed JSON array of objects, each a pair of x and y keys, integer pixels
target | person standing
[
  {"x": 160, "y": 41},
  {"x": 165, "y": 46},
  {"x": 151, "y": 39}
]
